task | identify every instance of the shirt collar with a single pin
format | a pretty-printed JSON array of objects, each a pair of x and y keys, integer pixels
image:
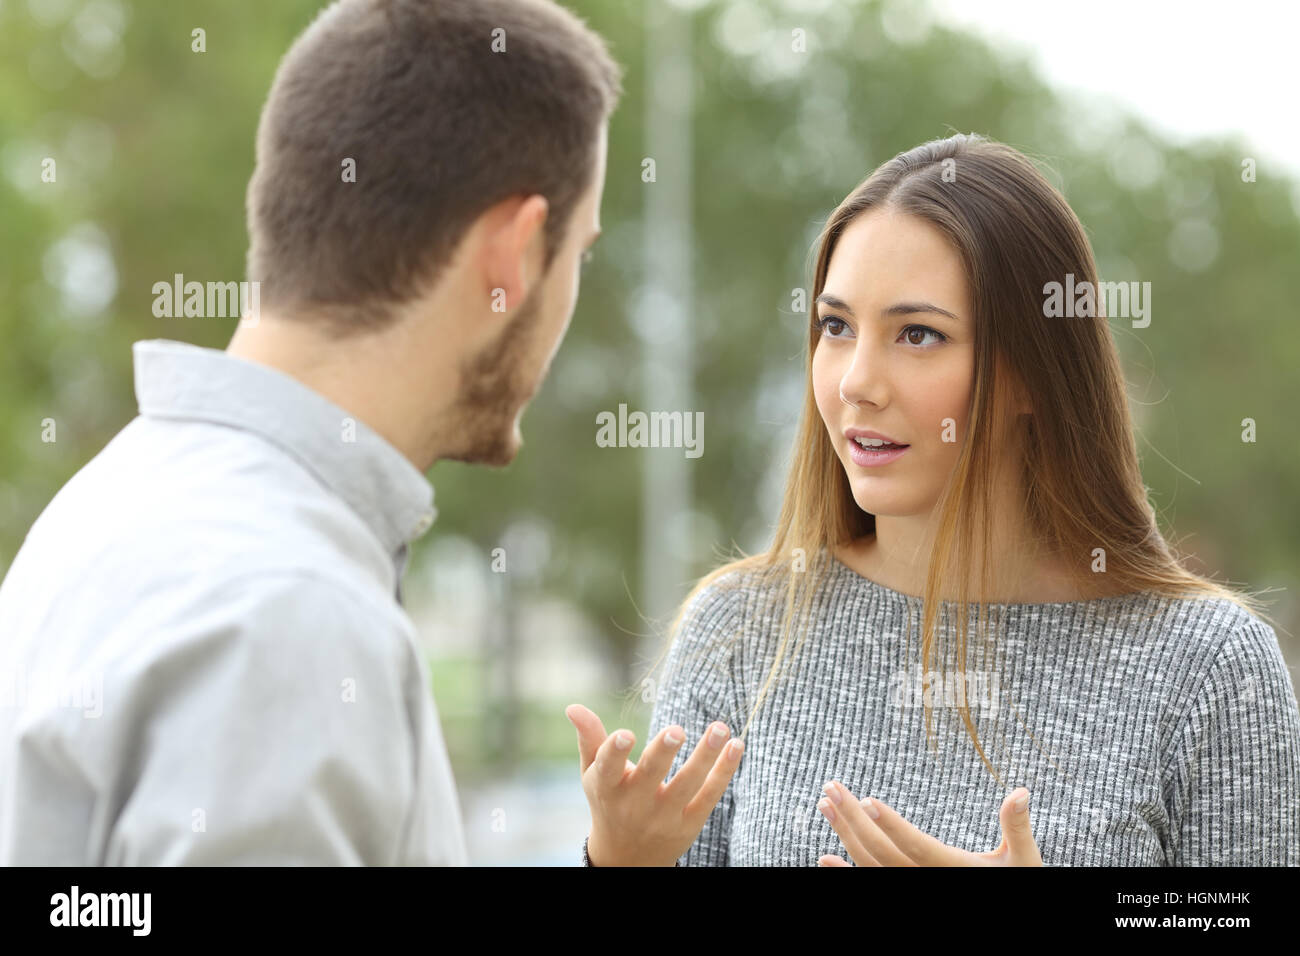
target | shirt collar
[{"x": 176, "y": 380}]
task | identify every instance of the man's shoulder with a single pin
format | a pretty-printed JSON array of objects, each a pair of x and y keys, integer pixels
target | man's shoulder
[
  {"x": 196, "y": 467},
  {"x": 150, "y": 540},
  {"x": 315, "y": 600},
  {"x": 182, "y": 499}
]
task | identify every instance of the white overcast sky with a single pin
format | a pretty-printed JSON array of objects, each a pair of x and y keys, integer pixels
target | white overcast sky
[{"x": 1190, "y": 69}]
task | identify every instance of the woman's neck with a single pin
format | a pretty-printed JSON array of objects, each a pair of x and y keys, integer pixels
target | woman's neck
[{"x": 1020, "y": 572}]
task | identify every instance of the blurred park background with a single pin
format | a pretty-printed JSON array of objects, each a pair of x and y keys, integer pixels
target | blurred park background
[{"x": 760, "y": 116}]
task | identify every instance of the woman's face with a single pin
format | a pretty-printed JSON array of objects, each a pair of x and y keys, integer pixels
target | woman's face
[{"x": 905, "y": 369}]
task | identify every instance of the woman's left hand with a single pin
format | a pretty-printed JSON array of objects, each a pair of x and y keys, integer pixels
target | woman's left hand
[{"x": 886, "y": 839}]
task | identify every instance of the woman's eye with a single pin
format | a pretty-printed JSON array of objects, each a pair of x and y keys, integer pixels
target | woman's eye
[
  {"x": 913, "y": 330},
  {"x": 832, "y": 327}
]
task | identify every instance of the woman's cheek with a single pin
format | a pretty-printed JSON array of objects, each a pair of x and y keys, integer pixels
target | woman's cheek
[
  {"x": 945, "y": 411},
  {"x": 824, "y": 385}
]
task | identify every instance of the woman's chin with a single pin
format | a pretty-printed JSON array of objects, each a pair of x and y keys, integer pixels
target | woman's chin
[{"x": 883, "y": 505}]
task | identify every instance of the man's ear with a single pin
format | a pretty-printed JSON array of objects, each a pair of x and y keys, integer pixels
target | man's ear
[{"x": 514, "y": 249}]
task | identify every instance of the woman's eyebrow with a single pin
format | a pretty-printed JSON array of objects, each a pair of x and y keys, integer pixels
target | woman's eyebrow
[
  {"x": 907, "y": 308},
  {"x": 898, "y": 308}
]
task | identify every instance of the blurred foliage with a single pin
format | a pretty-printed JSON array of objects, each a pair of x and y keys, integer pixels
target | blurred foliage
[{"x": 155, "y": 146}]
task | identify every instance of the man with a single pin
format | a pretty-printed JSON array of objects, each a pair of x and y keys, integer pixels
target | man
[{"x": 204, "y": 627}]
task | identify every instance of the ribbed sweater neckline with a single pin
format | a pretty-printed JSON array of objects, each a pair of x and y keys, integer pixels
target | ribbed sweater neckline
[{"x": 852, "y": 578}]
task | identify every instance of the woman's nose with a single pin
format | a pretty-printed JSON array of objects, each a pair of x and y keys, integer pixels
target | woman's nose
[{"x": 863, "y": 383}]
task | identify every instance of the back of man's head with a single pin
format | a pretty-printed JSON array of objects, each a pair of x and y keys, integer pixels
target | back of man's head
[{"x": 392, "y": 124}]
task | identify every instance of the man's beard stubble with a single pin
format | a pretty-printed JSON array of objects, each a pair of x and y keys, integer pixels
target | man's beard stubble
[{"x": 495, "y": 385}]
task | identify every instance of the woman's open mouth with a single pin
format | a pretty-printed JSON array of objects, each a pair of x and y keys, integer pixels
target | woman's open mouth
[{"x": 874, "y": 453}]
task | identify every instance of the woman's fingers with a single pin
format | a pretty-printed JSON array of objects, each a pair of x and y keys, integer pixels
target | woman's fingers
[
  {"x": 1017, "y": 837},
  {"x": 918, "y": 847},
  {"x": 591, "y": 733},
  {"x": 611, "y": 759},
  {"x": 690, "y": 777},
  {"x": 699, "y": 807},
  {"x": 657, "y": 759},
  {"x": 866, "y": 844},
  {"x": 696, "y": 788},
  {"x": 886, "y": 839},
  {"x": 853, "y": 843}
]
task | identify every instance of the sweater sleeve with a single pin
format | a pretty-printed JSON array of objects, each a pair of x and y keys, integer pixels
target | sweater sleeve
[
  {"x": 697, "y": 688},
  {"x": 1232, "y": 779}
]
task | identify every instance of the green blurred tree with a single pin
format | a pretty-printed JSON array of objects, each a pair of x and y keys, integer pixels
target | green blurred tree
[{"x": 154, "y": 144}]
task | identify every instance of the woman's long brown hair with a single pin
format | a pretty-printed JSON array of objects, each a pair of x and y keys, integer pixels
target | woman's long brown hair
[{"x": 1083, "y": 487}]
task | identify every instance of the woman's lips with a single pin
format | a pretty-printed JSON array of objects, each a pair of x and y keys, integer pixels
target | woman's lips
[{"x": 872, "y": 458}]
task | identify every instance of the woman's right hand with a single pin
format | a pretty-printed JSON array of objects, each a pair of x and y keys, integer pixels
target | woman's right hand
[{"x": 637, "y": 819}]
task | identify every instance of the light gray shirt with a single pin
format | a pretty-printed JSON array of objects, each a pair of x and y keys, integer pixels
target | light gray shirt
[
  {"x": 203, "y": 654},
  {"x": 1149, "y": 731}
]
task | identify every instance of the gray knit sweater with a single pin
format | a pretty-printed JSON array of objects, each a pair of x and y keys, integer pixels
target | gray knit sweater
[{"x": 1164, "y": 732}]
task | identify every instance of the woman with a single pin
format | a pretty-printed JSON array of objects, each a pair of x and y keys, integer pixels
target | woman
[{"x": 960, "y": 443}]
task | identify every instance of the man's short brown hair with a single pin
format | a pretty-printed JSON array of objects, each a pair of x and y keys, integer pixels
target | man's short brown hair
[{"x": 440, "y": 126}]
